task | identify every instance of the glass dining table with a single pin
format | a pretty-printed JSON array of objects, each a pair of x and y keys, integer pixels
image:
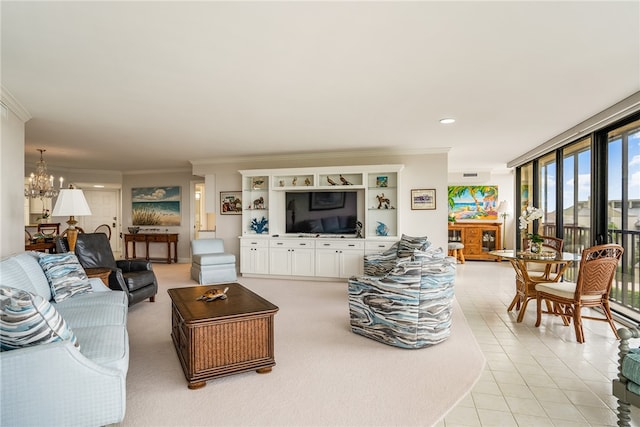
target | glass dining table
[{"x": 555, "y": 265}]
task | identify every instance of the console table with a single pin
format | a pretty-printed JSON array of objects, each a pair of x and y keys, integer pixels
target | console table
[{"x": 147, "y": 238}]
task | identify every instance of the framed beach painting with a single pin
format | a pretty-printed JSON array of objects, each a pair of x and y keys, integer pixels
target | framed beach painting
[
  {"x": 155, "y": 205},
  {"x": 473, "y": 202}
]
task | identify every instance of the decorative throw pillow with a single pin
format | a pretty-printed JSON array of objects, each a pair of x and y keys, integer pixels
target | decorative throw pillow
[
  {"x": 65, "y": 275},
  {"x": 27, "y": 319},
  {"x": 408, "y": 244}
]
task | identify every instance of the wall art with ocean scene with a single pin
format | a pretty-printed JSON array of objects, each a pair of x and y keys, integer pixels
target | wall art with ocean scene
[
  {"x": 155, "y": 205},
  {"x": 476, "y": 202}
]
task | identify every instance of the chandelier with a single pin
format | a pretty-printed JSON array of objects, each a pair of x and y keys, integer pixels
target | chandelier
[{"x": 41, "y": 183}]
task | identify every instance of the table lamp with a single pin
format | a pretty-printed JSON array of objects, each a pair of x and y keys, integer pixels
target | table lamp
[
  {"x": 503, "y": 211},
  {"x": 71, "y": 202}
]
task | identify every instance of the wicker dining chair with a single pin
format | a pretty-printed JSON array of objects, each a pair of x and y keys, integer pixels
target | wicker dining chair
[
  {"x": 104, "y": 228},
  {"x": 591, "y": 289}
]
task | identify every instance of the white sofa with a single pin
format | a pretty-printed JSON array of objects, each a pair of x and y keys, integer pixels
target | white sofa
[
  {"x": 210, "y": 263},
  {"x": 58, "y": 383}
]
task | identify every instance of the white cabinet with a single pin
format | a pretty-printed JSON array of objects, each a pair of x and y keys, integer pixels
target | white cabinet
[
  {"x": 270, "y": 197},
  {"x": 292, "y": 257},
  {"x": 254, "y": 256},
  {"x": 382, "y": 204},
  {"x": 377, "y": 246},
  {"x": 255, "y": 205},
  {"x": 337, "y": 258}
]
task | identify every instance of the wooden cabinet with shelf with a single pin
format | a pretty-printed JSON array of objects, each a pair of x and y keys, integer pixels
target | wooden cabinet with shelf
[{"x": 478, "y": 238}]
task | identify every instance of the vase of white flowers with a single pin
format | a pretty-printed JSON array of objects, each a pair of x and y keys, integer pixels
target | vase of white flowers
[{"x": 530, "y": 216}]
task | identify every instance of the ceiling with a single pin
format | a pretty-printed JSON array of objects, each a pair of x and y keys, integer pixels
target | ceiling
[{"x": 133, "y": 86}]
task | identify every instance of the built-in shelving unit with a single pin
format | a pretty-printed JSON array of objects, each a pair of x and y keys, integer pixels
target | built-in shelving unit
[{"x": 273, "y": 251}]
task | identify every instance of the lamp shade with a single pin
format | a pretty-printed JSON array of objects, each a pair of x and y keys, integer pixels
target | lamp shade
[
  {"x": 503, "y": 207},
  {"x": 71, "y": 202}
]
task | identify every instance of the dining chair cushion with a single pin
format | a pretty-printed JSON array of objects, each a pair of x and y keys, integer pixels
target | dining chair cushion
[{"x": 563, "y": 290}]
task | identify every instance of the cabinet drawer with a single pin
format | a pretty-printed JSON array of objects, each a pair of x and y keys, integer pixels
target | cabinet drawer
[
  {"x": 151, "y": 238},
  {"x": 473, "y": 233},
  {"x": 293, "y": 244},
  {"x": 255, "y": 243},
  {"x": 333, "y": 244},
  {"x": 380, "y": 246}
]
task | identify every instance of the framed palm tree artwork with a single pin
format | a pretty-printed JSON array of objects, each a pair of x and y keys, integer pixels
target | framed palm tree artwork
[{"x": 473, "y": 202}]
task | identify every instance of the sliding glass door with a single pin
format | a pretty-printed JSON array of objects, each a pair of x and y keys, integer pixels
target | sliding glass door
[{"x": 623, "y": 210}]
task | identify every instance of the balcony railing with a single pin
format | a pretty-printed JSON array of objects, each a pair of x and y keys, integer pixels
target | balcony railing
[{"x": 625, "y": 291}]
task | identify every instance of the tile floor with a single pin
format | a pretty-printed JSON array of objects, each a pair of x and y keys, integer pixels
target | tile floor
[{"x": 534, "y": 376}]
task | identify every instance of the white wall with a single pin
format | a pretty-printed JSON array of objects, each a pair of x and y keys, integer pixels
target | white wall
[
  {"x": 422, "y": 171},
  {"x": 12, "y": 177}
]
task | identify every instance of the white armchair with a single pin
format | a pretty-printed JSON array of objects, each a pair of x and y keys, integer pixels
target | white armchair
[{"x": 210, "y": 263}]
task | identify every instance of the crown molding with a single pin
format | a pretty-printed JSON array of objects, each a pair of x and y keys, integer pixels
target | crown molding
[
  {"x": 156, "y": 171},
  {"x": 14, "y": 105},
  {"x": 323, "y": 155}
]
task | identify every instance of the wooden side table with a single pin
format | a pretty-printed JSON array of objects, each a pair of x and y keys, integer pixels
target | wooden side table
[{"x": 102, "y": 273}]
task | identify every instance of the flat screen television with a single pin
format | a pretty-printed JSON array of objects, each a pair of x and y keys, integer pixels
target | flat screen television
[{"x": 321, "y": 212}]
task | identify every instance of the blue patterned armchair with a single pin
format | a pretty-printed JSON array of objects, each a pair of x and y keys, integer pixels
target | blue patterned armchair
[{"x": 404, "y": 299}]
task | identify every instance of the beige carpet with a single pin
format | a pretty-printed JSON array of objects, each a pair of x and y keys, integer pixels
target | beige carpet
[{"x": 324, "y": 375}]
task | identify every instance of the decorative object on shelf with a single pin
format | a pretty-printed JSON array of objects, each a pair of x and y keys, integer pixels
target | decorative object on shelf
[
  {"x": 503, "y": 211},
  {"x": 281, "y": 183},
  {"x": 258, "y": 203},
  {"x": 41, "y": 183},
  {"x": 477, "y": 202},
  {"x": 258, "y": 182},
  {"x": 231, "y": 203},
  {"x": 382, "y": 181},
  {"x": 529, "y": 216},
  {"x": 307, "y": 181},
  {"x": 344, "y": 181},
  {"x": 71, "y": 202},
  {"x": 213, "y": 294},
  {"x": 382, "y": 229},
  {"x": 259, "y": 226},
  {"x": 133, "y": 230},
  {"x": 383, "y": 202},
  {"x": 359, "y": 230},
  {"x": 294, "y": 181},
  {"x": 330, "y": 181},
  {"x": 423, "y": 199},
  {"x": 451, "y": 219},
  {"x": 156, "y": 205}
]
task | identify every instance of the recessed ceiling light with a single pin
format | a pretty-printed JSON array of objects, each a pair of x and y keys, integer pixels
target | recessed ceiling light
[
  {"x": 447, "y": 121},
  {"x": 98, "y": 186}
]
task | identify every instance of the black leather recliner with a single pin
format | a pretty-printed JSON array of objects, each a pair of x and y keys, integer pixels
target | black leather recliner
[{"x": 135, "y": 277}]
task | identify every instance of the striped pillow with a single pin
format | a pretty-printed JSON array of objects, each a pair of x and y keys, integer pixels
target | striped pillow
[
  {"x": 408, "y": 244},
  {"x": 27, "y": 319},
  {"x": 65, "y": 275}
]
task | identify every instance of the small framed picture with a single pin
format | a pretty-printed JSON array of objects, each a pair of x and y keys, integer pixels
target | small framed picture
[
  {"x": 423, "y": 199},
  {"x": 382, "y": 181},
  {"x": 230, "y": 203}
]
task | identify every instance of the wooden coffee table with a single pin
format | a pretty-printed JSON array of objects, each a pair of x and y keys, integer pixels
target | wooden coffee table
[{"x": 221, "y": 337}]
